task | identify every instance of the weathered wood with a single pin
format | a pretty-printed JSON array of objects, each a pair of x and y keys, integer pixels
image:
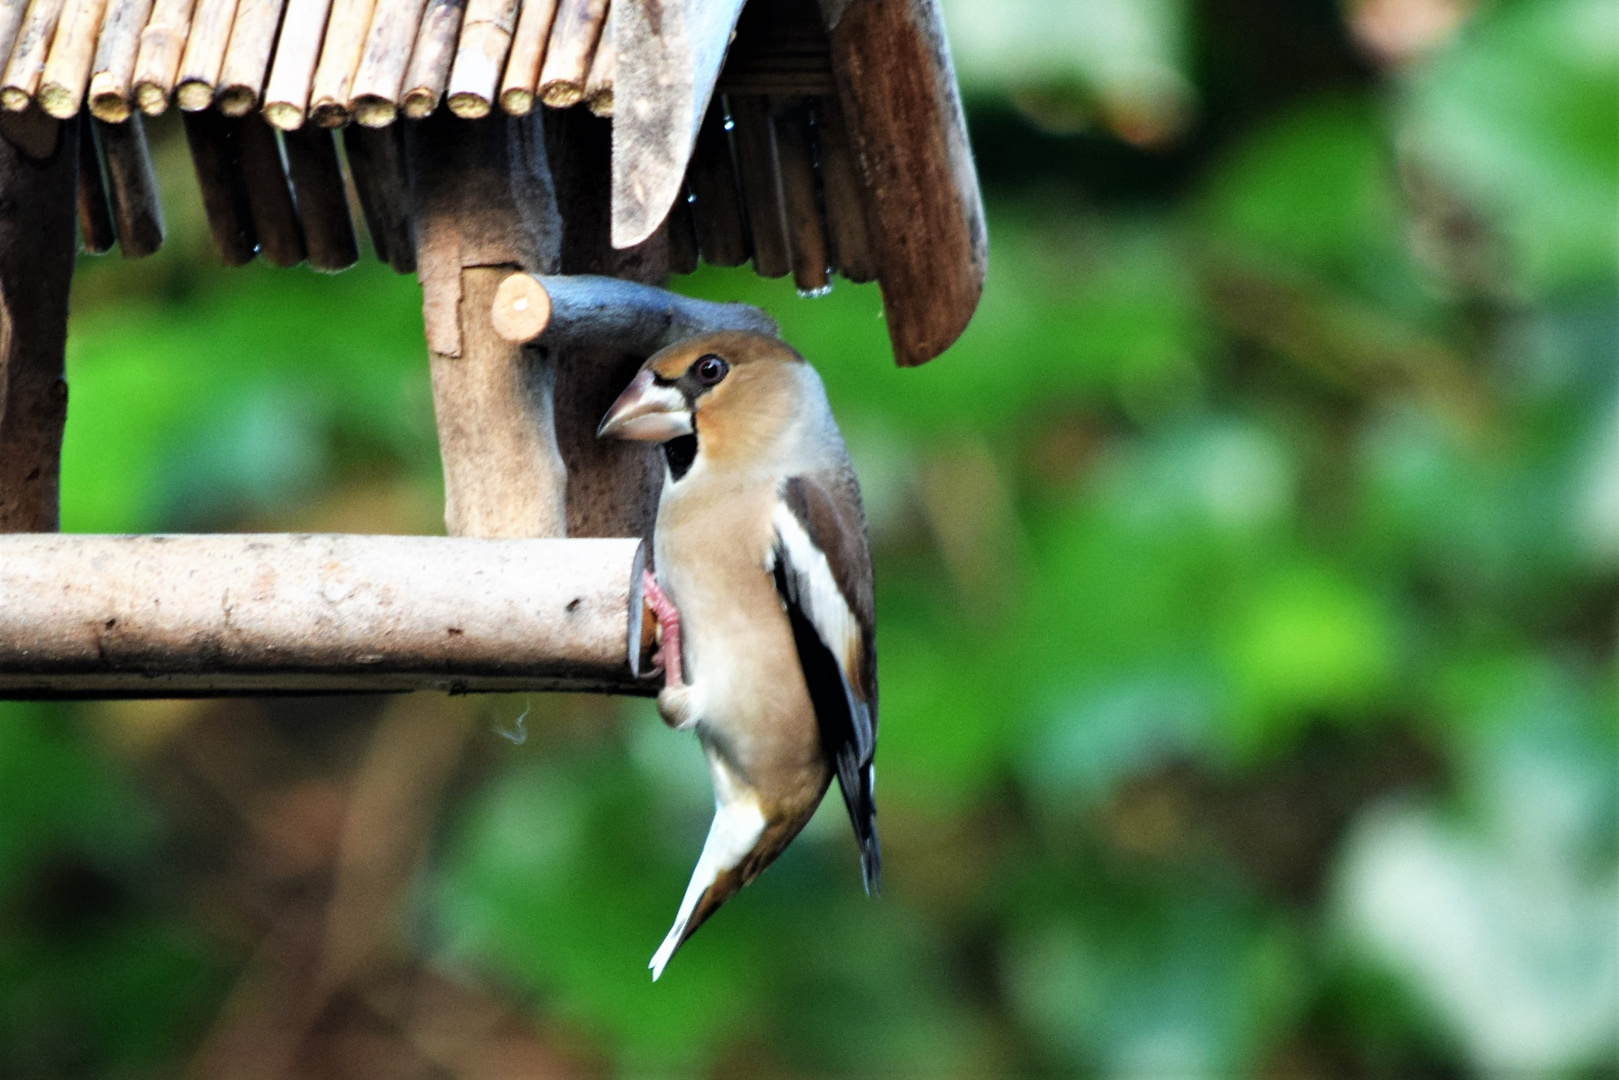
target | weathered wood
[
  {"x": 323, "y": 205},
  {"x": 204, "y": 54},
  {"x": 275, "y": 218},
  {"x": 574, "y": 34},
  {"x": 374, "y": 97},
  {"x": 339, "y": 60},
  {"x": 564, "y": 311},
  {"x": 517, "y": 86},
  {"x": 157, "y": 64},
  {"x": 173, "y": 615},
  {"x": 216, "y": 157},
  {"x": 377, "y": 162},
  {"x": 923, "y": 208},
  {"x": 247, "y": 59},
  {"x": 484, "y": 205},
  {"x": 137, "y": 208},
  {"x": 754, "y": 137},
  {"x": 430, "y": 60},
  {"x": 841, "y": 193},
  {"x": 795, "y": 160},
  {"x": 297, "y": 49},
  {"x": 27, "y": 63},
  {"x": 603, "y": 73},
  {"x": 96, "y": 234},
  {"x": 37, "y": 212},
  {"x": 780, "y": 48},
  {"x": 669, "y": 55},
  {"x": 11, "y": 19},
  {"x": 486, "y": 37},
  {"x": 722, "y": 227},
  {"x": 73, "y": 48},
  {"x": 112, "y": 95}
]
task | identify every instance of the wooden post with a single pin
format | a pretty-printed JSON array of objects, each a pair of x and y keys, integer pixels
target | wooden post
[{"x": 38, "y": 207}]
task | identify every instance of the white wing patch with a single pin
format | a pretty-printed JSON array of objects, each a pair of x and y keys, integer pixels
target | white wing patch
[{"x": 818, "y": 592}]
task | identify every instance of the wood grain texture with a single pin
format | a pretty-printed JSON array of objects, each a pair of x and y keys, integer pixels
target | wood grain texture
[
  {"x": 275, "y": 218},
  {"x": 522, "y": 78},
  {"x": 11, "y": 18},
  {"x": 137, "y": 207},
  {"x": 376, "y": 158},
  {"x": 168, "y": 615},
  {"x": 925, "y": 215},
  {"x": 431, "y": 58},
  {"x": 486, "y": 37},
  {"x": 722, "y": 224},
  {"x": 795, "y": 160},
  {"x": 216, "y": 157},
  {"x": 112, "y": 92},
  {"x": 603, "y": 71},
  {"x": 841, "y": 193},
  {"x": 247, "y": 58},
  {"x": 568, "y": 53},
  {"x": 297, "y": 50},
  {"x": 20, "y": 80},
  {"x": 38, "y": 209},
  {"x": 323, "y": 204},
  {"x": 204, "y": 54},
  {"x": 339, "y": 60},
  {"x": 73, "y": 48},
  {"x": 681, "y": 231},
  {"x": 96, "y": 234},
  {"x": 157, "y": 64},
  {"x": 753, "y": 136},
  {"x": 379, "y": 82}
]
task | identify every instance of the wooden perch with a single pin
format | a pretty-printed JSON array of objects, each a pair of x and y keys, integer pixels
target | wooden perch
[
  {"x": 137, "y": 209},
  {"x": 286, "y": 96},
  {"x": 73, "y": 49},
  {"x": 164, "y": 616},
  {"x": 486, "y": 35},
  {"x": 562, "y": 311},
  {"x": 431, "y": 58},
  {"x": 669, "y": 56},
  {"x": 158, "y": 62},
  {"x": 247, "y": 60},
  {"x": 111, "y": 90}
]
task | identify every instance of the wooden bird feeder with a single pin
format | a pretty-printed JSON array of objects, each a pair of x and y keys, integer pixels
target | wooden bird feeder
[{"x": 809, "y": 139}]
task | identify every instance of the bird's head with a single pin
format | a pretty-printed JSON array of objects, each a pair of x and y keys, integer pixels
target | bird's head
[{"x": 731, "y": 391}]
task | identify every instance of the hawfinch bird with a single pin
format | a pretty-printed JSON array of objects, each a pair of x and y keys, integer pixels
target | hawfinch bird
[{"x": 763, "y": 597}]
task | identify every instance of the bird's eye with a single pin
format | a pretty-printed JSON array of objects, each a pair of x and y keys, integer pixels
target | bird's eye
[{"x": 710, "y": 369}]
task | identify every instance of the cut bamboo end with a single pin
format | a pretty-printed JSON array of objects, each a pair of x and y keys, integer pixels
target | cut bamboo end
[
  {"x": 152, "y": 99},
  {"x": 58, "y": 101},
  {"x": 284, "y": 115},
  {"x": 486, "y": 38},
  {"x": 114, "y": 67},
  {"x": 194, "y": 95},
  {"x": 469, "y": 106},
  {"x": 517, "y": 101},
  {"x": 236, "y": 100},
  {"x": 329, "y": 114},
  {"x": 287, "y": 92},
  {"x": 562, "y": 95},
  {"x": 62, "y": 82},
  {"x": 13, "y": 99},
  {"x": 568, "y": 55},
  {"x": 419, "y": 103},
  {"x": 430, "y": 60},
  {"x": 603, "y": 71},
  {"x": 113, "y": 106},
  {"x": 373, "y": 111},
  {"x": 522, "y": 309},
  {"x": 528, "y": 52}
]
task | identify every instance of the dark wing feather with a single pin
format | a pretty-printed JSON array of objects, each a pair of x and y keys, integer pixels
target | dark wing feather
[{"x": 823, "y": 572}]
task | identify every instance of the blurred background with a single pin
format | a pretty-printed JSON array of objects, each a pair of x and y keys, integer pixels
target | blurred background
[{"x": 1248, "y": 595}]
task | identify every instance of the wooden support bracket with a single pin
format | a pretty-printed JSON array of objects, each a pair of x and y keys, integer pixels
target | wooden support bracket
[
  {"x": 560, "y": 310},
  {"x": 168, "y": 616}
]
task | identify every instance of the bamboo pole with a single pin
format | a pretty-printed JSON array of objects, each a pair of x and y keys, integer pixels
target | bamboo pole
[
  {"x": 247, "y": 59},
  {"x": 137, "y": 210},
  {"x": 754, "y": 136},
  {"x": 374, "y": 97},
  {"x": 323, "y": 204},
  {"x": 275, "y": 218},
  {"x": 603, "y": 71},
  {"x": 575, "y": 310},
  {"x": 528, "y": 52},
  {"x": 111, "y": 92},
  {"x": 722, "y": 226},
  {"x": 11, "y": 19},
  {"x": 204, "y": 53},
  {"x": 73, "y": 49},
  {"x": 795, "y": 159},
  {"x": 173, "y": 615},
  {"x": 430, "y": 60},
  {"x": 840, "y": 189},
  {"x": 157, "y": 64},
  {"x": 376, "y": 159},
  {"x": 339, "y": 59},
  {"x": 216, "y": 155},
  {"x": 486, "y": 37},
  {"x": 286, "y": 96},
  {"x": 27, "y": 63},
  {"x": 574, "y": 35},
  {"x": 96, "y": 235}
]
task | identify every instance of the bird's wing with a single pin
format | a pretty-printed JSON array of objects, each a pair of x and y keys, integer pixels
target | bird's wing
[{"x": 822, "y": 568}]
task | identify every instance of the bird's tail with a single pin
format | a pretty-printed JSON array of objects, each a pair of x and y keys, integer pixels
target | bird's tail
[{"x": 738, "y": 826}]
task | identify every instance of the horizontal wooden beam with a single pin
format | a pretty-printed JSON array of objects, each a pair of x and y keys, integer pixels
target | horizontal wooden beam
[
  {"x": 586, "y": 310},
  {"x": 172, "y": 616}
]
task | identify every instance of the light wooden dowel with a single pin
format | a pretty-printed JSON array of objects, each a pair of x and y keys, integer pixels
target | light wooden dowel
[
  {"x": 754, "y": 137},
  {"x": 165, "y": 616},
  {"x": 216, "y": 156},
  {"x": 111, "y": 76},
  {"x": 339, "y": 60},
  {"x": 486, "y": 36},
  {"x": 247, "y": 60},
  {"x": 374, "y": 97},
  {"x": 96, "y": 235},
  {"x": 430, "y": 60},
  {"x": 567, "y": 57},
  {"x": 22, "y": 74},
  {"x": 157, "y": 64},
  {"x": 563, "y": 311},
  {"x": 376, "y": 158},
  {"x": 204, "y": 55},
  {"x": 603, "y": 71},
  {"x": 323, "y": 204},
  {"x": 73, "y": 49},
  {"x": 722, "y": 226},
  {"x": 275, "y": 218},
  {"x": 137, "y": 209},
  {"x": 840, "y": 190},
  {"x": 522, "y": 78},
  {"x": 795, "y": 159},
  {"x": 286, "y": 96}
]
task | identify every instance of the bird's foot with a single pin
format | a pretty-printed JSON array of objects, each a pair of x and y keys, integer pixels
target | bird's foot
[
  {"x": 674, "y": 705},
  {"x": 668, "y": 617}
]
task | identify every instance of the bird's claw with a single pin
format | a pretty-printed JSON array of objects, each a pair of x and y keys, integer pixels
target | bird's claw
[{"x": 663, "y": 609}]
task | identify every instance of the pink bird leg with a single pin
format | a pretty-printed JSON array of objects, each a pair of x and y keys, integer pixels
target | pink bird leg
[{"x": 669, "y": 626}]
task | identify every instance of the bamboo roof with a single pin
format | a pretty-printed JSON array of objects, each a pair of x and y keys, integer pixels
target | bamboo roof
[{"x": 806, "y": 144}]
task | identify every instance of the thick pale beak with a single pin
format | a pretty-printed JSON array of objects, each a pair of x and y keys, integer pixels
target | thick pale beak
[{"x": 647, "y": 412}]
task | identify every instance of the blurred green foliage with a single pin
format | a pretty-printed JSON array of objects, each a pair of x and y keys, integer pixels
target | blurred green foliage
[{"x": 1248, "y": 591}]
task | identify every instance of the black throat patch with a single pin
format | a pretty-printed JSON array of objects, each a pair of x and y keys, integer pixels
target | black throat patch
[{"x": 680, "y": 452}]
